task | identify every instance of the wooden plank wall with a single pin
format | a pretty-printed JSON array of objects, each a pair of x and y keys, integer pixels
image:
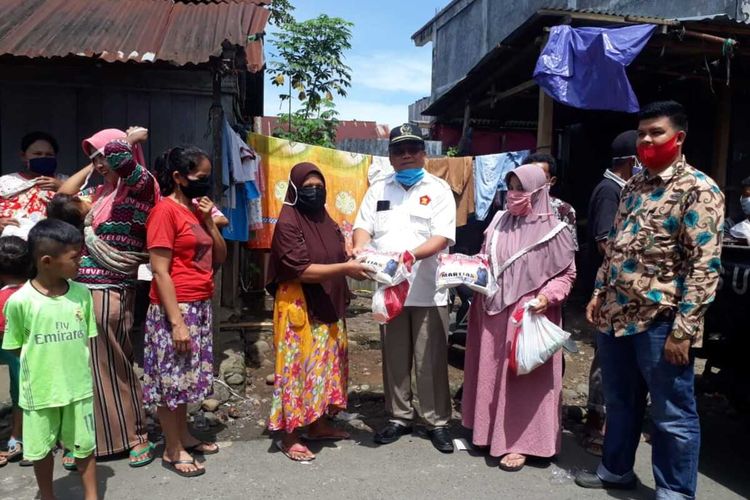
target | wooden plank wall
[{"x": 71, "y": 111}]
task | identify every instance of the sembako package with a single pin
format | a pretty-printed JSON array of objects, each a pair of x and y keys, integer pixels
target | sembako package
[{"x": 474, "y": 272}]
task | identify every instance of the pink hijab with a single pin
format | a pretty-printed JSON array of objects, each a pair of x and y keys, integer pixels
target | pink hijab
[
  {"x": 107, "y": 196},
  {"x": 540, "y": 264}
]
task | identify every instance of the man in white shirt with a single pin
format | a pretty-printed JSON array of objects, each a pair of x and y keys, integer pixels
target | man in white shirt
[{"x": 413, "y": 211}]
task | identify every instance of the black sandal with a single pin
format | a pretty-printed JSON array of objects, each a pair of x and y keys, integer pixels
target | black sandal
[
  {"x": 508, "y": 468},
  {"x": 173, "y": 467},
  {"x": 204, "y": 444}
]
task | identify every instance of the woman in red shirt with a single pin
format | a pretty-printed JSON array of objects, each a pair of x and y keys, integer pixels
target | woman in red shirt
[{"x": 185, "y": 246}]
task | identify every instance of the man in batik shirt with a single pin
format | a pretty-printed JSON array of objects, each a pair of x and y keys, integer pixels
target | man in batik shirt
[
  {"x": 659, "y": 275},
  {"x": 563, "y": 210}
]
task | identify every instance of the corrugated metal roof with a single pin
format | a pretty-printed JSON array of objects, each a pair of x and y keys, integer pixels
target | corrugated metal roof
[{"x": 131, "y": 30}]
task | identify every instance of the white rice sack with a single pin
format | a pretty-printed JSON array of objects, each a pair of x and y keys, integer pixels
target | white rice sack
[
  {"x": 386, "y": 267},
  {"x": 473, "y": 271}
]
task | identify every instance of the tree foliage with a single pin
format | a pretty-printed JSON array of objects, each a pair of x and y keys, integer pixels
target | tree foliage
[
  {"x": 309, "y": 64},
  {"x": 319, "y": 130},
  {"x": 281, "y": 12}
]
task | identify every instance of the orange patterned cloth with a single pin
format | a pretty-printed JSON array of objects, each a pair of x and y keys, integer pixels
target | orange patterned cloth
[
  {"x": 312, "y": 365},
  {"x": 345, "y": 173}
]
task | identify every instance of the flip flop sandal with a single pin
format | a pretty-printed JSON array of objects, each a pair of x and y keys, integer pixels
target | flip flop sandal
[
  {"x": 149, "y": 450},
  {"x": 508, "y": 468},
  {"x": 71, "y": 467},
  {"x": 15, "y": 452},
  {"x": 172, "y": 466},
  {"x": 204, "y": 444},
  {"x": 288, "y": 452}
]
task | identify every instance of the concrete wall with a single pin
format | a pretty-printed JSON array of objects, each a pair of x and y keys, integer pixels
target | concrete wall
[{"x": 465, "y": 33}]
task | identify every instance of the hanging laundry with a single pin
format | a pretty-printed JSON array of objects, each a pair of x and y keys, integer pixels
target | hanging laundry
[
  {"x": 585, "y": 67},
  {"x": 459, "y": 174},
  {"x": 345, "y": 173},
  {"x": 380, "y": 169},
  {"x": 489, "y": 177},
  {"x": 242, "y": 188}
]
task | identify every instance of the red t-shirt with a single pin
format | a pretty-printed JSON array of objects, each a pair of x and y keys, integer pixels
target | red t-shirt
[
  {"x": 172, "y": 226},
  {"x": 5, "y": 293}
]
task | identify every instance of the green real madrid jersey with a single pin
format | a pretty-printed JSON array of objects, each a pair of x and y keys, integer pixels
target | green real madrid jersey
[{"x": 53, "y": 335}]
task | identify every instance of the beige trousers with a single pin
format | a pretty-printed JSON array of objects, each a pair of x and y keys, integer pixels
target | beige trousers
[{"x": 417, "y": 338}]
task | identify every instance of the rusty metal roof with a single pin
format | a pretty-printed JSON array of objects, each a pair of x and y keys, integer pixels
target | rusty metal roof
[{"x": 132, "y": 30}]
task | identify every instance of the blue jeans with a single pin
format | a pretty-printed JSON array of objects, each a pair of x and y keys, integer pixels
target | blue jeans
[{"x": 632, "y": 367}]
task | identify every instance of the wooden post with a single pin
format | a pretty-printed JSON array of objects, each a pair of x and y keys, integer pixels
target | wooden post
[
  {"x": 544, "y": 123},
  {"x": 723, "y": 127},
  {"x": 217, "y": 122}
]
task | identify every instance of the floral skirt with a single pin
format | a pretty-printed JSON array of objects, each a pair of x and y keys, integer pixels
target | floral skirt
[
  {"x": 312, "y": 365},
  {"x": 170, "y": 378}
]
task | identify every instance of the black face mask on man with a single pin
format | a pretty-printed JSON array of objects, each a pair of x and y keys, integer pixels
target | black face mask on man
[
  {"x": 311, "y": 198},
  {"x": 197, "y": 188}
]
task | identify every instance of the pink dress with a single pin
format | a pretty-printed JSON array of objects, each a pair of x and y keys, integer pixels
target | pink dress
[{"x": 507, "y": 412}]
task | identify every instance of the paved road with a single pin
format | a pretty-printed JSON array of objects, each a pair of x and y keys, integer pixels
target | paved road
[{"x": 409, "y": 469}]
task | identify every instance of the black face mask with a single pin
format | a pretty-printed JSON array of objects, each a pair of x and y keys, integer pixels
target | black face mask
[
  {"x": 311, "y": 199},
  {"x": 197, "y": 188}
]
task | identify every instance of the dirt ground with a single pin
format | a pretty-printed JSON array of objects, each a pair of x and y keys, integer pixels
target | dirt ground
[
  {"x": 365, "y": 378},
  {"x": 244, "y": 416}
]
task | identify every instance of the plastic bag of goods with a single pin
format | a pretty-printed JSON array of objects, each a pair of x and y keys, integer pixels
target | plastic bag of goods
[
  {"x": 474, "y": 272},
  {"x": 387, "y": 268},
  {"x": 536, "y": 339},
  {"x": 388, "y": 302},
  {"x": 392, "y": 271}
]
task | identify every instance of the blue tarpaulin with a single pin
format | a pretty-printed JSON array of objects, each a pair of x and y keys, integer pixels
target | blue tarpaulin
[{"x": 585, "y": 67}]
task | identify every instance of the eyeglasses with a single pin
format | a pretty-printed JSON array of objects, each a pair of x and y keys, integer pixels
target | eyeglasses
[{"x": 402, "y": 149}]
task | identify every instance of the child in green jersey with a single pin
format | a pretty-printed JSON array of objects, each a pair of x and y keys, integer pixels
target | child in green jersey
[{"x": 49, "y": 320}]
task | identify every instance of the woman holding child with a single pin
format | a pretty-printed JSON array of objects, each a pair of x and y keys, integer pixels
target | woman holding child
[
  {"x": 516, "y": 416},
  {"x": 115, "y": 241}
]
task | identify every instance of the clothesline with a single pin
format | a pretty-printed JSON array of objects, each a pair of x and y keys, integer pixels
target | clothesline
[{"x": 474, "y": 180}]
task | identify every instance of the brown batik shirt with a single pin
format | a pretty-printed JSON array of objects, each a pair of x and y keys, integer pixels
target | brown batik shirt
[{"x": 663, "y": 253}]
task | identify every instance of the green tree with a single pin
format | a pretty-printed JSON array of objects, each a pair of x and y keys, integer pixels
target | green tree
[
  {"x": 281, "y": 12},
  {"x": 319, "y": 130},
  {"x": 309, "y": 65}
]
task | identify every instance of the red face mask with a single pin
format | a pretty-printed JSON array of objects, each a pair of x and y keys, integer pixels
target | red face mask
[{"x": 658, "y": 156}]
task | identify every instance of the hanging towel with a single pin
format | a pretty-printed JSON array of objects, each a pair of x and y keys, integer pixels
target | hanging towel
[
  {"x": 239, "y": 225},
  {"x": 585, "y": 67},
  {"x": 459, "y": 174},
  {"x": 489, "y": 177}
]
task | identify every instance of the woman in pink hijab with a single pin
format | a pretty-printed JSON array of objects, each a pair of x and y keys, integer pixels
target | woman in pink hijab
[
  {"x": 115, "y": 238},
  {"x": 516, "y": 416}
]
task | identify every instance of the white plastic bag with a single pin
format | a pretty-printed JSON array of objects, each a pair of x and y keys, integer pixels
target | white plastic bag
[
  {"x": 388, "y": 302},
  {"x": 458, "y": 269},
  {"x": 392, "y": 270},
  {"x": 536, "y": 339},
  {"x": 386, "y": 267}
]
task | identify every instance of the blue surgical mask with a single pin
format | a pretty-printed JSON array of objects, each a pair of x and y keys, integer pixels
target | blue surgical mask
[
  {"x": 43, "y": 166},
  {"x": 745, "y": 203},
  {"x": 410, "y": 176}
]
